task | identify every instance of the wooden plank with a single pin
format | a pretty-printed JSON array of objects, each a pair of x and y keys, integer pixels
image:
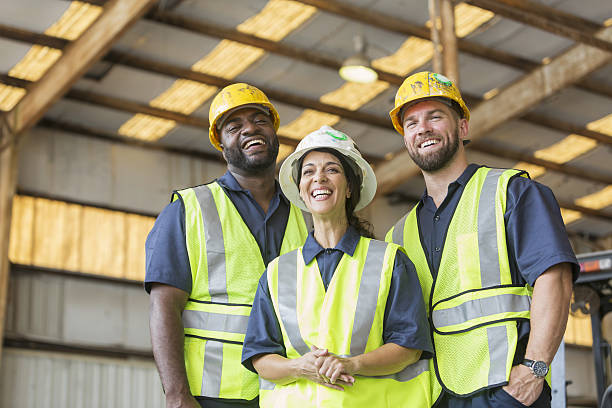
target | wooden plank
[
  {"x": 511, "y": 102},
  {"x": 76, "y": 59},
  {"x": 8, "y": 179}
]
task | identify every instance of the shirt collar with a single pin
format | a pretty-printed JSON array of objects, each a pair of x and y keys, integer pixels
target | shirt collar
[
  {"x": 229, "y": 182},
  {"x": 348, "y": 244},
  {"x": 461, "y": 180}
]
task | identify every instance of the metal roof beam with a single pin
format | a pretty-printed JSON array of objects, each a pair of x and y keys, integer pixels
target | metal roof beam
[{"x": 547, "y": 19}]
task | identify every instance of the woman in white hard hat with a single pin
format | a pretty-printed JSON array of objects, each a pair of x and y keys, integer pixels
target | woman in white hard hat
[{"x": 340, "y": 321}]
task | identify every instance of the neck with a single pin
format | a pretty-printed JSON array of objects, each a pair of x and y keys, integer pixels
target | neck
[
  {"x": 261, "y": 185},
  {"x": 437, "y": 182},
  {"x": 328, "y": 232}
]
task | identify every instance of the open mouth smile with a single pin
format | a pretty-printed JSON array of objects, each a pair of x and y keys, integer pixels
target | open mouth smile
[
  {"x": 321, "y": 194},
  {"x": 253, "y": 142}
]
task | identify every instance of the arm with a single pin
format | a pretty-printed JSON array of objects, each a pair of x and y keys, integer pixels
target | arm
[
  {"x": 166, "y": 307},
  {"x": 549, "y": 308},
  {"x": 282, "y": 370},
  {"x": 387, "y": 359}
]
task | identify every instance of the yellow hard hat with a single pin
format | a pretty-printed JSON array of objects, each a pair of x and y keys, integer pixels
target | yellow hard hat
[
  {"x": 234, "y": 96},
  {"x": 424, "y": 85}
]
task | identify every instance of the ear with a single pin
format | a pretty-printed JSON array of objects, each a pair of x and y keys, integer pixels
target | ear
[
  {"x": 463, "y": 128},
  {"x": 348, "y": 193}
]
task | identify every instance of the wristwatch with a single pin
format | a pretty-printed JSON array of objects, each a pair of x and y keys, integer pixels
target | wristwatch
[{"x": 538, "y": 368}]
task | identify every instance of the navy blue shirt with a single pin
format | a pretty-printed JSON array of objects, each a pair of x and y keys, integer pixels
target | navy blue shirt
[
  {"x": 167, "y": 260},
  {"x": 404, "y": 323},
  {"x": 535, "y": 233}
]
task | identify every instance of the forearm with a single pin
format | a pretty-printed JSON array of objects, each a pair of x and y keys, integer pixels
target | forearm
[
  {"x": 276, "y": 368},
  {"x": 167, "y": 338},
  {"x": 388, "y": 359},
  {"x": 549, "y": 309}
]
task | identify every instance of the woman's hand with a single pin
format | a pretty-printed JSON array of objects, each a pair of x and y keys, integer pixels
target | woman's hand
[
  {"x": 311, "y": 368},
  {"x": 334, "y": 368}
]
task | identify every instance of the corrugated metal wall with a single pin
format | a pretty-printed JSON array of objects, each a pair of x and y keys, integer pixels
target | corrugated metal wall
[
  {"x": 31, "y": 379},
  {"x": 77, "y": 311}
]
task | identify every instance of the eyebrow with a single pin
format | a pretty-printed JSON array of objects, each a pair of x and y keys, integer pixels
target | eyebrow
[
  {"x": 430, "y": 112},
  {"x": 326, "y": 164},
  {"x": 252, "y": 116}
]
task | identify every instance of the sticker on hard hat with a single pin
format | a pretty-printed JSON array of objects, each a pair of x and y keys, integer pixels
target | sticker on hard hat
[
  {"x": 337, "y": 135},
  {"x": 441, "y": 78}
]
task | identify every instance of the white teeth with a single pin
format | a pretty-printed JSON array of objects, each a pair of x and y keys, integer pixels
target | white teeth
[
  {"x": 429, "y": 143},
  {"x": 319, "y": 192},
  {"x": 254, "y": 142}
]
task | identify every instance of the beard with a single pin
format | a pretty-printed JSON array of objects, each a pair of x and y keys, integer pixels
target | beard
[
  {"x": 236, "y": 158},
  {"x": 437, "y": 160}
]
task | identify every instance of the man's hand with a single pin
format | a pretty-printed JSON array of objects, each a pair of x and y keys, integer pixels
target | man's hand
[
  {"x": 182, "y": 401},
  {"x": 523, "y": 385}
]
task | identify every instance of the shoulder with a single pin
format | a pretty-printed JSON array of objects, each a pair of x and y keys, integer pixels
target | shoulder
[{"x": 525, "y": 190}]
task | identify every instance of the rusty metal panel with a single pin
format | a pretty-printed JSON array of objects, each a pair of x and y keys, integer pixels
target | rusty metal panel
[{"x": 30, "y": 379}]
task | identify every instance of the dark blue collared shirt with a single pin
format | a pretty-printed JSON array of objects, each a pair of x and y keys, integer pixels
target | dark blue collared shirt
[
  {"x": 405, "y": 321},
  {"x": 167, "y": 260}
]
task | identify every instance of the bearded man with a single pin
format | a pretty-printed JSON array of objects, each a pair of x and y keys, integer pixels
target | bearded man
[
  {"x": 207, "y": 251},
  {"x": 492, "y": 254}
]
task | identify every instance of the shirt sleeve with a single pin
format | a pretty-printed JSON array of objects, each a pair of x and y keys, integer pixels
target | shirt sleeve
[
  {"x": 536, "y": 234},
  {"x": 263, "y": 335},
  {"x": 167, "y": 260},
  {"x": 405, "y": 321}
]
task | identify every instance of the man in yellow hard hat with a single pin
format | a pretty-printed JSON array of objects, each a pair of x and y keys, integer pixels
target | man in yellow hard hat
[
  {"x": 492, "y": 255},
  {"x": 206, "y": 252}
]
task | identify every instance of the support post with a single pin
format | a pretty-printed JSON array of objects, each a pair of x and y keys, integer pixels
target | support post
[
  {"x": 434, "y": 18},
  {"x": 8, "y": 181},
  {"x": 450, "y": 59}
]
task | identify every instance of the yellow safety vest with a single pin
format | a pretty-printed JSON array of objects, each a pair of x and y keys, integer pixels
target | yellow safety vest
[
  {"x": 347, "y": 319},
  {"x": 226, "y": 265},
  {"x": 473, "y": 304}
]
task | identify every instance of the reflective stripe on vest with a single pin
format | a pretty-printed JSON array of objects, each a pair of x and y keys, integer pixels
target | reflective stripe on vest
[
  {"x": 473, "y": 305},
  {"x": 226, "y": 264},
  {"x": 215, "y": 245},
  {"x": 362, "y": 281}
]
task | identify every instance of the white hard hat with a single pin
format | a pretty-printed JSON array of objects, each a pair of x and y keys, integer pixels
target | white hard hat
[{"x": 331, "y": 138}]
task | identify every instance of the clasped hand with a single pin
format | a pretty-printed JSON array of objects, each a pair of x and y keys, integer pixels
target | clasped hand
[{"x": 327, "y": 369}]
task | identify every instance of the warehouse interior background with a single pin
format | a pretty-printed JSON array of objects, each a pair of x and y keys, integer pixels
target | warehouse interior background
[{"x": 104, "y": 108}]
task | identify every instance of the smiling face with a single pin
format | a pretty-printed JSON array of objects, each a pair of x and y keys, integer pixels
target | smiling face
[
  {"x": 249, "y": 141},
  {"x": 323, "y": 185},
  {"x": 432, "y": 134}
]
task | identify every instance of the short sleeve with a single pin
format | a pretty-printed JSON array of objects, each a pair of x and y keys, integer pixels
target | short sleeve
[
  {"x": 405, "y": 321},
  {"x": 537, "y": 239},
  {"x": 167, "y": 260},
  {"x": 263, "y": 335}
]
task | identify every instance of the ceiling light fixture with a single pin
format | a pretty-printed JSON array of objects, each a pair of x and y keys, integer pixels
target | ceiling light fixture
[{"x": 357, "y": 68}]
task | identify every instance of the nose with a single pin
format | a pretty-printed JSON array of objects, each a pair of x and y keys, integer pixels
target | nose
[
  {"x": 248, "y": 127},
  {"x": 423, "y": 126},
  {"x": 320, "y": 176}
]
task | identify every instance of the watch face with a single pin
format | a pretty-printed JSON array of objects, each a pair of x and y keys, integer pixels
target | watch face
[{"x": 540, "y": 369}]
